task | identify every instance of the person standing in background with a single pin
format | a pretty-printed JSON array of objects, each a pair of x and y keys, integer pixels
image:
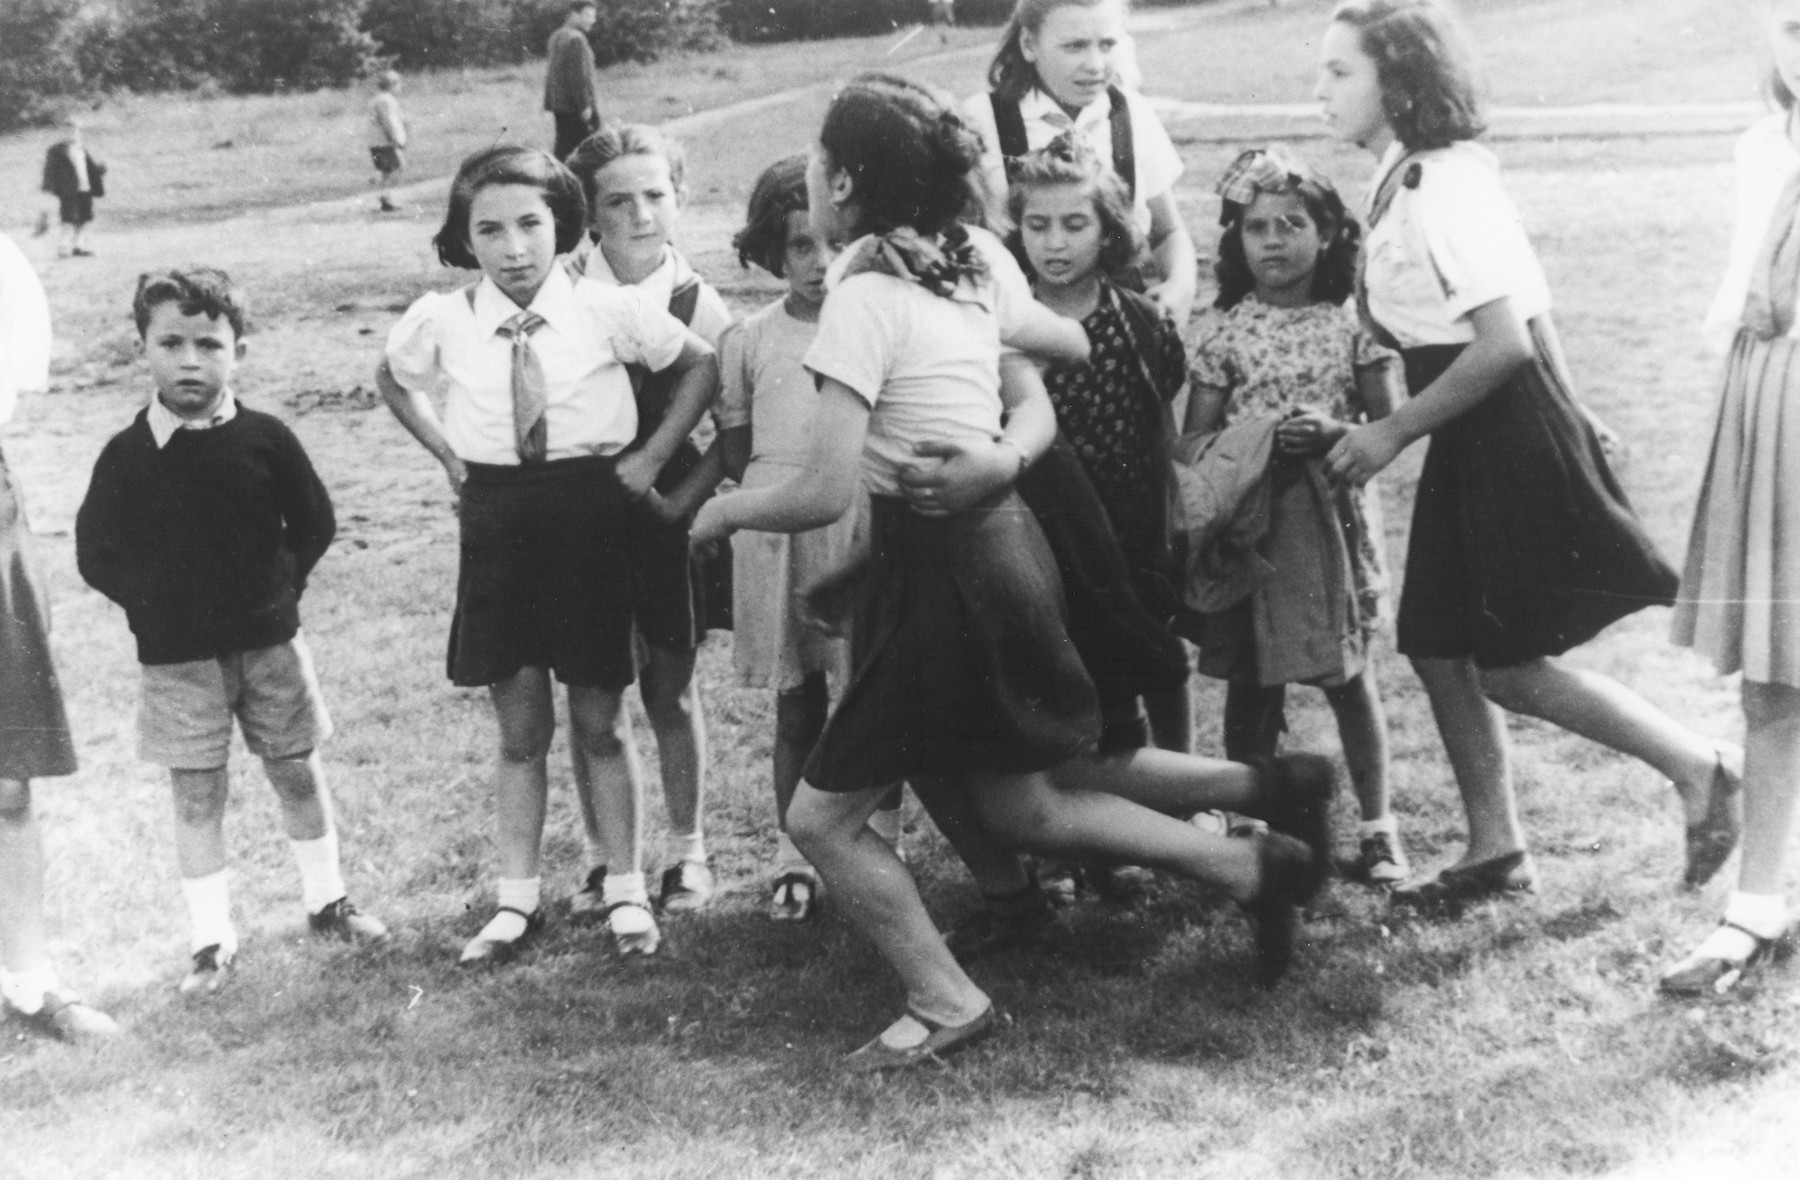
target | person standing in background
[
  {"x": 387, "y": 137},
  {"x": 75, "y": 178},
  {"x": 569, "y": 79}
]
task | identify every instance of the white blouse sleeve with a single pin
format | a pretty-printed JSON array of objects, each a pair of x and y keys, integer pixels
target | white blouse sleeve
[
  {"x": 1477, "y": 241},
  {"x": 24, "y": 329},
  {"x": 648, "y": 335},
  {"x": 1761, "y": 169},
  {"x": 1013, "y": 301},
  {"x": 1158, "y": 163},
  {"x": 412, "y": 344},
  {"x": 855, "y": 341}
]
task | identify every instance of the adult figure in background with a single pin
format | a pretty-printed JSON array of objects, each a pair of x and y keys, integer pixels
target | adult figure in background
[
  {"x": 569, "y": 79},
  {"x": 74, "y": 177},
  {"x": 34, "y": 732}
]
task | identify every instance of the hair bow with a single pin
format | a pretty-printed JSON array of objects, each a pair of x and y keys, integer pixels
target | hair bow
[{"x": 1262, "y": 170}]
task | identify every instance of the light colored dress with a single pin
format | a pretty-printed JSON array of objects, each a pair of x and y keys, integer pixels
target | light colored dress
[
  {"x": 1275, "y": 360},
  {"x": 771, "y": 647},
  {"x": 1739, "y": 603}
]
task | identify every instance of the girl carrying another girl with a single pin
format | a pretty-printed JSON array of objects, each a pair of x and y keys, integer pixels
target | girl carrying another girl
[
  {"x": 967, "y": 674},
  {"x": 1056, "y": 73},
  {"x": 538, "y": 413},
  {"x": 1737, "y": 603},
  {"x": 1523, "y": 545},
  {"x": 1282, "y": 342}
]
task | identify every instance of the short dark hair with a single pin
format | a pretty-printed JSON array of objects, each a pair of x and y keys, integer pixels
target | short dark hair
[
  {"x": 1425, "y": 67},
  {"x": 580, "y": 5},
  {"x": 1777, "y": 89},
  {"x": 196, "y": 290},
  {"x": 510, "y": 165},
  {"x": 911, "y": 159},
  {"x": 1334, "y": 275},
  {"x": 1069, "y": 163},
  {"x": 779, "y": 191},
  {"x": 613, "y": 140}
]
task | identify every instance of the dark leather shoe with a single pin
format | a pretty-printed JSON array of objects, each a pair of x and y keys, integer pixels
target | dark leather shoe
[
  {"x": 1498, "y": 876},
  {"x": 1294, "y": 797},
  {"x": 1288, "y": 877}
]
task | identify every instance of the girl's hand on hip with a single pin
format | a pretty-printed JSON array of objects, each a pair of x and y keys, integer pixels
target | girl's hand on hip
[
  {"x": 709, "y": 527},
  {"x": 955, "y": 476},
  {"x": 636, "y": 473},
  {"x": 1363, "y": 452}
]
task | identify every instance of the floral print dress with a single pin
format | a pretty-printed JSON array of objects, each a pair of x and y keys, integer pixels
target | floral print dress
[{"x": 1278, "y": 360}]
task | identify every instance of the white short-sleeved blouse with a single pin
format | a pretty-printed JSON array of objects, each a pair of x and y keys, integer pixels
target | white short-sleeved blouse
[
  {"x": 24, "y": 329},
  {"x": 1158, "y": 163},
  {"x": 1765, "y": 160},
  {"x": 928, "y": 365},
  {"x": 1448, "y": 246},
  {"x": 449, "y": 341}
]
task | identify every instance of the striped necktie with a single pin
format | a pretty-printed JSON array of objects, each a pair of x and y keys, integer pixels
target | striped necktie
[{"x": 530, "y": 395}]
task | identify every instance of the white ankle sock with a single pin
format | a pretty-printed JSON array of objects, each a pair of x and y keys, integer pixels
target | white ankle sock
[
  {"x": 209, "y": 911},
  {"x": 886, "y": 824},
  {"x": 1374, "y": 827},
  {"x": 787, "y": 856},
  {"x": 624, "y": 887},
  {"x": 321, "y": 882},
  {"x": 24, "y": 990},
  {"x": 691, "y": 847},
  {"x": 1764, "y": 914},
  {"x": 515, "y": 893}
]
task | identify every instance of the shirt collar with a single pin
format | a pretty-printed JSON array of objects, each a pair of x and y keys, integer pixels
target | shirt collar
[
  {"x": 659, "y": 285},
  {"x": 555, "y": 302},
  {"x": 1038, "y": 104},
  {"x": 164, "y": 422}
]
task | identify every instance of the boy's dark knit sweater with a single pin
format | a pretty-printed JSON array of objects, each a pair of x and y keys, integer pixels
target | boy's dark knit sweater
[{"x": 207, "y": 542}]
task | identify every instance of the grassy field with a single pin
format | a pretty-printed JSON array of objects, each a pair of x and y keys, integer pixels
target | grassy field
[{"x": 1522, "y": 1041}]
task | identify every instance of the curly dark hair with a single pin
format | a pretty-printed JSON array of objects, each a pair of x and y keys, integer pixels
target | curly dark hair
[
  {"x": 1425, "y": 66},
  {"x": 1334, "y": 274},
  {"x": 512, "y": 164},
  {"x": 196, "y": 290},
  {"x": 779, "y": 191},
  {"x": 1064, "y": 163},
  {"x": 911, "y": 159}
]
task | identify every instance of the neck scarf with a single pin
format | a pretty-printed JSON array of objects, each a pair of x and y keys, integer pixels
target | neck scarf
[
  {"x": 531, "y": 396},
  {"x": 937, "y": 264}
]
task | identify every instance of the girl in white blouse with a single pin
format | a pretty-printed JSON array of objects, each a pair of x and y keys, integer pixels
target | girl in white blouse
[
  {"x": 537, "y": 438},
  {"x": 1523, "y": 545},
  {"x": 1739, "y": 602}
]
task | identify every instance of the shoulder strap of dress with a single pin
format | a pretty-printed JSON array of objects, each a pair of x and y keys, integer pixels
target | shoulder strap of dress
[
  {"x": 1124, "y": 150},
  {"x": 1404, "y": 174},
  {"x": 1009, "y": 128},
  {"x": 684, "y": 300}
]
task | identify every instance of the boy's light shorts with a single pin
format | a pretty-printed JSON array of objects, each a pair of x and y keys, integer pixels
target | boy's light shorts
[{"x": 184, "y": 720}]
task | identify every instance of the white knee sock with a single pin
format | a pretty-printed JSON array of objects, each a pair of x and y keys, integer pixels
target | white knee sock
[
  {"x": 24, "y": 990},
  {"x": 209, "y": 911},
  {"x": 321, "y": 882}
]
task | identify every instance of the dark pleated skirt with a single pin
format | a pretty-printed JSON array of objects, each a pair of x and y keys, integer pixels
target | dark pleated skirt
[
  {"x": 1523, "y": 544},
  {"x": 34, "y": 730},
  {"x": 963, "y": 663}
]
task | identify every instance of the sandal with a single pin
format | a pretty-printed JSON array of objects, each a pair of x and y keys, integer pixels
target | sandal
[
  {"x": 485, "y": 950},
  {"x": 1711, "y": 841},
  {"x": 1700, "y": 974},
  {"x": 632, "y": 943},
  {"x": 1454, "y": 887},
  {"x": 915, "y": 1037},
  {"x": 796, "y": 897}
]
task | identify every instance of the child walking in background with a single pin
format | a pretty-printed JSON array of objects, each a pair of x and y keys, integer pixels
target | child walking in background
[
  {"x": 34, "y": 729},
  {"x": 968, "y": 675},
  {"x": 387, "y": 136},
  {"x": 203, "y": 520},
  {"x": 635, "y": 184},
  {"x": 764, "y": 385},
  {"x": 1057, "y": 73},
  {"x": 1736, "y": 603},
  {"x": 537, "y": 438},
  {"x": 1283, "y": 343},
  {"x": 1523, "y": 545}
]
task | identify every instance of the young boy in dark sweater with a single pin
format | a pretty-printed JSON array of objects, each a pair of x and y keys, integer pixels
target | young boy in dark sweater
[{"x": 203, "y": 520}]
